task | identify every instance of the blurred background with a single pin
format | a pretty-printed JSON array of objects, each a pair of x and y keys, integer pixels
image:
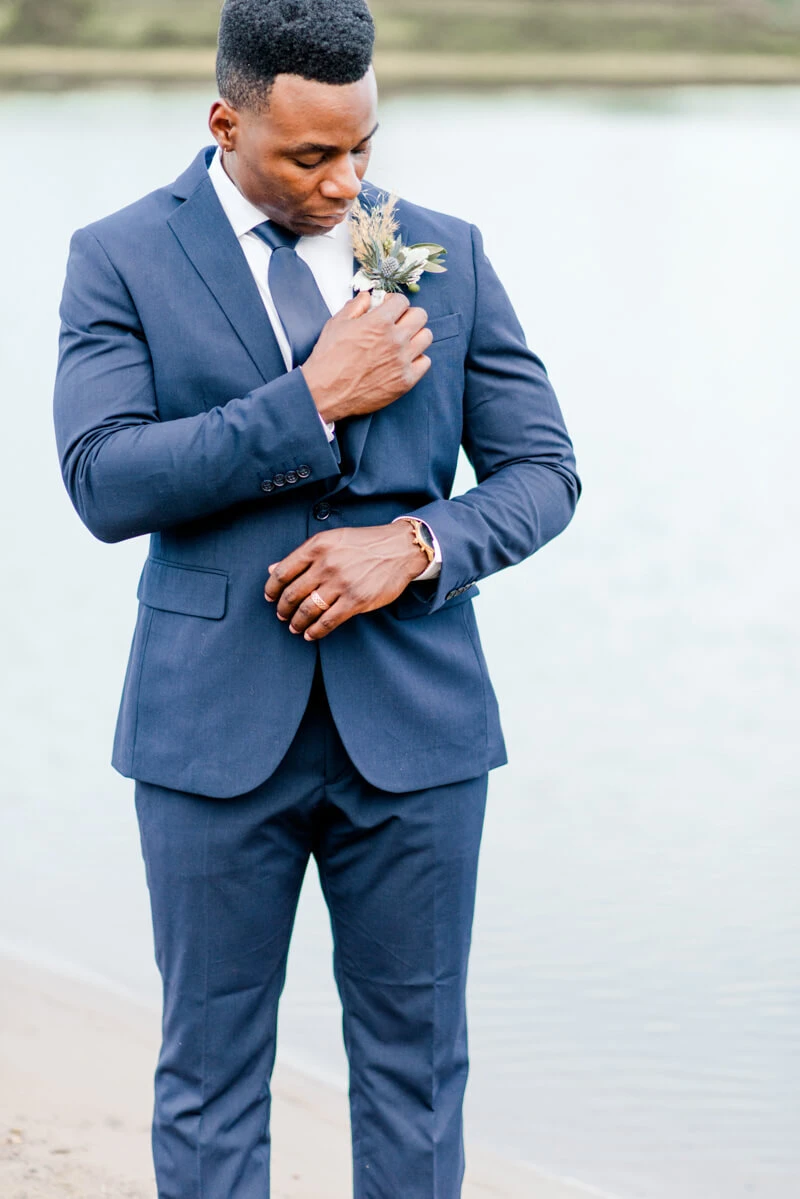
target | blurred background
[
  {"x": 441, "y": 42},
  {"x": 715, "y": 26},
  {"x": 635, "y": 979}
]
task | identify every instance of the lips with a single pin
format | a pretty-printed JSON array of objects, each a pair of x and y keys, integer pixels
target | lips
[{"x": 325, "y": 218}]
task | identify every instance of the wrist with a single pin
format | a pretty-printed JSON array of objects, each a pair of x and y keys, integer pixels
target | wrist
[
  {"x": 321, "y": 393},
  {"x": 422, "y": 551}
]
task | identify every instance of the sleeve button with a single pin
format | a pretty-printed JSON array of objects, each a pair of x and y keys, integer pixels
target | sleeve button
[
  {"x": 291, "y": 476},
  {"x": 279, "y": 480},
  {"x": 267, "y": 486},
  {"x": 303, "y": 472}
]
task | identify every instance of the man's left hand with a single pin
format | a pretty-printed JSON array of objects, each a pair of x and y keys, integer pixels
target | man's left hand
[{"x": 351, "y": 570}]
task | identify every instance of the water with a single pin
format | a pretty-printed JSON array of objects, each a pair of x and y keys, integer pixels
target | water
[{"x": 635, "y": 976}]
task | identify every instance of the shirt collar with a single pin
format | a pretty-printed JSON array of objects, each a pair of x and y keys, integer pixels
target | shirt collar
[{"x": 243, "y": 215}]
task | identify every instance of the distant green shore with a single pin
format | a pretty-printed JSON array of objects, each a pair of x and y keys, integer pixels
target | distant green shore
[
  {"x": 53, "y": 43},
  {"x": 52, "y": 67}
]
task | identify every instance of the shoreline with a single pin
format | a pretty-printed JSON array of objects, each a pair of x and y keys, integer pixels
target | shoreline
[
  {"x": 77, "y": 1060},
  {"x": 32, "y": 67}
]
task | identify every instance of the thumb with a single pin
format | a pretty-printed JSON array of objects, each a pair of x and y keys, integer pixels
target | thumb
[{"x": 358, "y": 306}]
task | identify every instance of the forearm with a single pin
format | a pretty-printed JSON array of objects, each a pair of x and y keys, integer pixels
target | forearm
[
  {"x": 499, "y": 523},
  {"x": 128, "y": 470},
  {"x": 515, "y": 437},
  {"x": 132, "y": 475}
]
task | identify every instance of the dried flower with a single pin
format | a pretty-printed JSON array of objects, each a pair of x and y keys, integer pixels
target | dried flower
[{"x": 385, "y": 263}]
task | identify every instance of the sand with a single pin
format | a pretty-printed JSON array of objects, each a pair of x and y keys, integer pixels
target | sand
[{"x": 76, "y": 1066}]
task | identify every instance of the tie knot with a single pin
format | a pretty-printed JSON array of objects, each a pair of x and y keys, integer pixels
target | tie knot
[{"x": 276, "y": 237}]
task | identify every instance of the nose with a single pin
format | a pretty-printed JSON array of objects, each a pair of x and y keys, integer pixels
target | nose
[{"x": 342, "y": 181}]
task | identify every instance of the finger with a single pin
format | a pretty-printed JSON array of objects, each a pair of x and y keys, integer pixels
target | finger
[
  {"x": 358, "y": 306},
  {"x": 283, "y": 572},
  {"x": 419, "y": 344},
  {"x": 420, "y": 368},
  {"x": 392, "y": 308},
  {"x": 309, "y": 612},
  {"x": 295, "y": 592},
  {"x": 412, "y": 320},
  {"x": 326, "y": 622}
]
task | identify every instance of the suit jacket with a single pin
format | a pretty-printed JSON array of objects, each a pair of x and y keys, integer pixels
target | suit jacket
[{"x": 176, "y": 417}]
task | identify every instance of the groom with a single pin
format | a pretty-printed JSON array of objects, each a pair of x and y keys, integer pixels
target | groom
[{"x": 306, "y": 676}]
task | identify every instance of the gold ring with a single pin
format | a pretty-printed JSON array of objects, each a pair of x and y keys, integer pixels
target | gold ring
[{"x": 317, "y": 599}]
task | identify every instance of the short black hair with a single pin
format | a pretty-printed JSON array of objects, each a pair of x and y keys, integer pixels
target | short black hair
[{"x": 330, "y": 41}]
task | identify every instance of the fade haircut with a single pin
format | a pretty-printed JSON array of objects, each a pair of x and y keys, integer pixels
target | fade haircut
[{"x": 330, "y": 41}]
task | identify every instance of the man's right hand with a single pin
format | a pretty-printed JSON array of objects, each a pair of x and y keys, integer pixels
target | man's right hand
[{"x": 366, "y": 360}]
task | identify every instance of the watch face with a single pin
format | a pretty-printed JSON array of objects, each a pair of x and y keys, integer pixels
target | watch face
[{"x": 425, "y": 535}]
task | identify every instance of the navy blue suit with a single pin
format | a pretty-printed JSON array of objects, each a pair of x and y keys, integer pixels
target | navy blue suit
[{"x": 176, "y": 417}]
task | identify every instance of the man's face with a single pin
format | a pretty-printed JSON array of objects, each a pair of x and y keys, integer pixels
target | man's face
[{"x": 302, "y": 159}]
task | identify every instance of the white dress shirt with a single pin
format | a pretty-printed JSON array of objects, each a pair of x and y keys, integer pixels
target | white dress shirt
[{"x": 330, "y": 258}]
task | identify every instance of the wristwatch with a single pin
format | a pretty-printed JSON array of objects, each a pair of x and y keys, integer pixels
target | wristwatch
[{"x": 422, "y": 537}]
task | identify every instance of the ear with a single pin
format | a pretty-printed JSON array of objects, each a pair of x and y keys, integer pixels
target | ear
[{"x": 223, "y": 121}]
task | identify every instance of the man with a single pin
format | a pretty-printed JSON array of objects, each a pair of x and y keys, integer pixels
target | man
[{"x": 274, "y": 452}]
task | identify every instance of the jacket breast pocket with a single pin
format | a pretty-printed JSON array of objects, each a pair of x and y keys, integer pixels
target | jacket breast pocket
[
  {"x": 190, "y": 590},
  {"x": 444, "y": 327}
]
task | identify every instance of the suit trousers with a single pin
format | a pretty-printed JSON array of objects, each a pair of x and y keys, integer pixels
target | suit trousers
[{"x": 398, "y": 872}]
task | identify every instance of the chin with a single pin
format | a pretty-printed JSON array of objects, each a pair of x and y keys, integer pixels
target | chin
[{"x": 311, "y": 226}]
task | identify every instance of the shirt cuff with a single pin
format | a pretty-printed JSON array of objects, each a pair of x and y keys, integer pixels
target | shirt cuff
[
  {"x": 328, "y": 426},
  {"x": 433, "y": 569}
]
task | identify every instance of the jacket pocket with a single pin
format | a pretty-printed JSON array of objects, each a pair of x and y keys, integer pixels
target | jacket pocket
[
  {"x": 443, "y": 327},
  {"x": 190, "y": 590}
]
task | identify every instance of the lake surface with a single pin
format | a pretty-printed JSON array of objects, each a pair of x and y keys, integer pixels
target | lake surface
[{"x": 635, "y": 978}]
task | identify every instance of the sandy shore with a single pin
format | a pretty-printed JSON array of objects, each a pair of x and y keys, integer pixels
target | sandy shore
[
  {"x": 76, "y": 1067},
  {"x": 64, "y": 66}
]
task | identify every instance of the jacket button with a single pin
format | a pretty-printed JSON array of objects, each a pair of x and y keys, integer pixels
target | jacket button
[
  {"x": 303, "y": 472},
  {"x": 322, "y": 510},
  {"x": 267, "y": 486},
  {"x": 291, "y": 476},
  {"x": 279, "y": 480}
]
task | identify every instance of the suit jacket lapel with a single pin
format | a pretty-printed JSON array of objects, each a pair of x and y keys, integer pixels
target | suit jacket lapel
[
  {"x": 355, "y": 430},
  {"x": 352, "y": 432},
  {"x": 207, "y": 238},
  {"x": 352, "y": 436}
]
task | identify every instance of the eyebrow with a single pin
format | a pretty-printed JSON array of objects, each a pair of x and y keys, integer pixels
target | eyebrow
[{"x": 319, "y": 148}]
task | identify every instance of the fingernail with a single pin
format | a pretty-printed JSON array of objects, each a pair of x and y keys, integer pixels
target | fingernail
[
  {"x": 283, "y": 618},
  {"x": 271, "y": 568},
  {"x": 292, "y": 629},
  {"x": 308, "y": 637},
  {"x": 269, "y": 598}
]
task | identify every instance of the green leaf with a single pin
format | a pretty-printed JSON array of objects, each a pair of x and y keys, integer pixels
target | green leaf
[{"x": 430, "y": 246}]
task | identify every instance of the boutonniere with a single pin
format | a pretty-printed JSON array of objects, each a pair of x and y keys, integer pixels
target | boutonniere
[{"x": 385, "y": 263}]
